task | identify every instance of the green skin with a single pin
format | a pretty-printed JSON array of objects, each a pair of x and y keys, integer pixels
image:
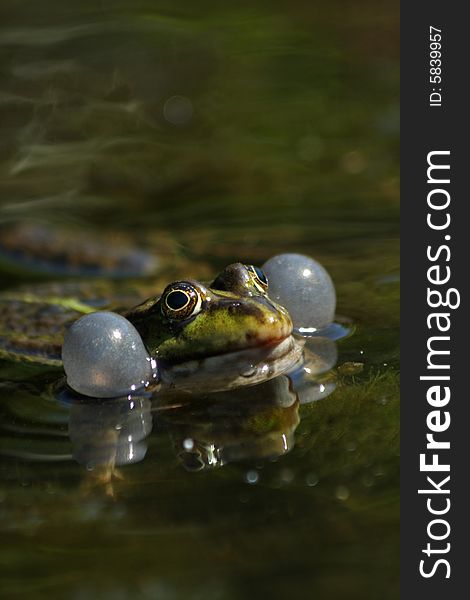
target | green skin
[{"x": 235, "y": 314}]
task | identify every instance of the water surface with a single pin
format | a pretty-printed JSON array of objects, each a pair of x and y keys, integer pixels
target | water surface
[{"x": 211, "y": 134}]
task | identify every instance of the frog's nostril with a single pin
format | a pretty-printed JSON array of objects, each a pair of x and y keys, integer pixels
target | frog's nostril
[{"x": 234, "y": 308}]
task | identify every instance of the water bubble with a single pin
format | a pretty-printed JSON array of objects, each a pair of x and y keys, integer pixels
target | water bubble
[
  {"x": 252, "y": 477},
  {"x": 248, "y": 370},
  {"x": 378, "y": 471},
  {"x": 287, "y": 476},
  {"x": 311, "y": 391},
  {"x": 264, "y": 369},
  {"x": 188, "y": 444},
  {"x": 178, "y": 110},
  {"x": 312, "y": 479},
  {"x": 342, "y": 492}
]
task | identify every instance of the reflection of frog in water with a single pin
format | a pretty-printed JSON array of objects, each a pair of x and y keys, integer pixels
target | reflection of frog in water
[
  {"x": 208, "y": 429},
  {"x": 222, "y": 427},
  {"x": 109, "y": 434}
]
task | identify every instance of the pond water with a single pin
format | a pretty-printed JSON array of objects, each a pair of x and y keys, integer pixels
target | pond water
[{"x": 204, "y": 134}]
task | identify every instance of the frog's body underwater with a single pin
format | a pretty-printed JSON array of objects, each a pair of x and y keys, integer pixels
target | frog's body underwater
[{"x": 224, "y": 334}]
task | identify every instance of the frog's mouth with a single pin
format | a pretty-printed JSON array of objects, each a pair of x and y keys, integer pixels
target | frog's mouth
[{"x": 247, "y": 366}]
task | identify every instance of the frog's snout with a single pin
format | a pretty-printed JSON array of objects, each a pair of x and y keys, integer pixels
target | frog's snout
[{"x": 264, "y": 321}]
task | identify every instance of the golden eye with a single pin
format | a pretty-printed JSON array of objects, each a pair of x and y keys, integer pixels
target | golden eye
[
  {"x": 259, "y": 278},
  {"x": 180, "y": 301}
]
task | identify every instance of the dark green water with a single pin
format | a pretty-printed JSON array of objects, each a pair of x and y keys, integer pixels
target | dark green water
[{"x": 239, "y": 130}]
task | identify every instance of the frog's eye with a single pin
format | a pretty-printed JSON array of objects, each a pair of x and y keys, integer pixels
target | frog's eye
[
  {"x": 259, "y": 278},
  {"x": 180, "y": 301}
]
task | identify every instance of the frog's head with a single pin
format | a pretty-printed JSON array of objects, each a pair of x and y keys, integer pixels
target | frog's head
[{"x": 191, "y": 321}]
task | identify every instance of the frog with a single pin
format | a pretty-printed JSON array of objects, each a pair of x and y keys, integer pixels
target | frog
[
  {"x": 223, "y": 334},
  {"x": 220, "y": 334}
]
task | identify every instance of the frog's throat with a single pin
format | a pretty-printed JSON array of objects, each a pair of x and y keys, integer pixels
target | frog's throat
[{"x": 243, "y": 367}]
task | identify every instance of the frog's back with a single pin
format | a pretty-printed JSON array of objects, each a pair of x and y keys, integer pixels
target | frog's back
[
  {"x": 33, "y": 319},
  {"x": 31, "y": 332}
]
